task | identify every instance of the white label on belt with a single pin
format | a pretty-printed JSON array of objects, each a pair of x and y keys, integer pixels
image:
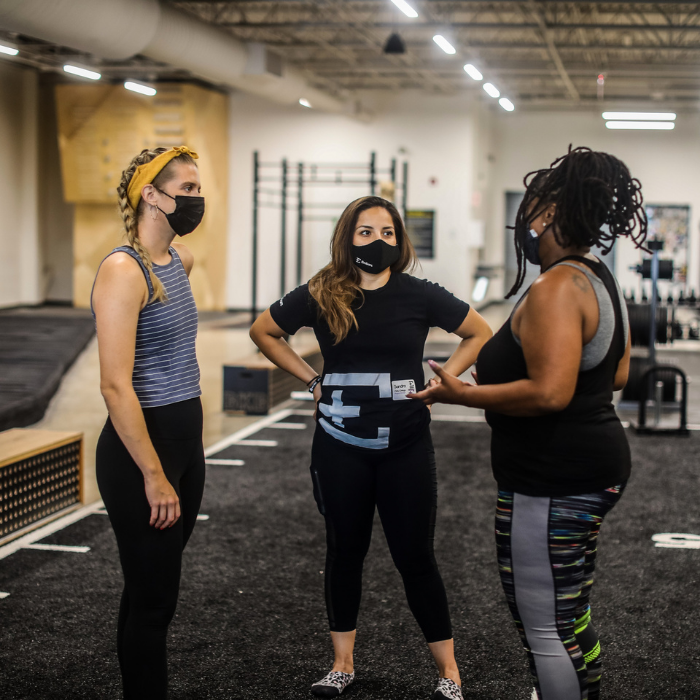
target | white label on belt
[{"x": 401, "y": 388}]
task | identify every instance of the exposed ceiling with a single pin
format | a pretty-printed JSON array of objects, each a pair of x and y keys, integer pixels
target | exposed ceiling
[
  {"x": 545, "y": 53},
  {"x": 542, "y": 53}
]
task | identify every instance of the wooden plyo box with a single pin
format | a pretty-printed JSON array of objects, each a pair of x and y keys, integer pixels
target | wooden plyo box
[
  {"x": 256, "y": 385},
  {"x": 41, "y": 472}
]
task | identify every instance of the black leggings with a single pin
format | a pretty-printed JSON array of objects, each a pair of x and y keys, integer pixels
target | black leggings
[
  {"x": 348, "y": 484},
  {"x": 151, "y": 558}
]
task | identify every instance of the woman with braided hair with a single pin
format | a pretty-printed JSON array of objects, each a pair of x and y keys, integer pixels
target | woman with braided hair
[
  {"x": 150, "y": 460},
  {"x": 546, "y": 379}
]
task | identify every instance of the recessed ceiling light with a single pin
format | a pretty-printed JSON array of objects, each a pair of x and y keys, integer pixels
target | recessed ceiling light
[
  {"x": 445, "y": 45},
  {"x": 142, "y": 89},
  {"x": 648, "y": 116},
  {"x": 491, "y": 90},
  {"x": 506, "y": 104},
  {"x": 473, "y": 72},
  {"x": 82, "y": 72},
  {"x": 405, "y": 8},
  {"x": 9, "y": 49},
  {"x": 304, "y": 102},
  {"x": 667, "y": 126}
]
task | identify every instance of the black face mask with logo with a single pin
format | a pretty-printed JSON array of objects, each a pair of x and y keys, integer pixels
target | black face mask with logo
[
  {"x": 375, "y": 257},
  {"x": 187, "y": 215}
]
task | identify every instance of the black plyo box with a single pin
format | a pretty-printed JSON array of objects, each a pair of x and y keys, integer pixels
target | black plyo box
[{"x": 246, "y": 390}]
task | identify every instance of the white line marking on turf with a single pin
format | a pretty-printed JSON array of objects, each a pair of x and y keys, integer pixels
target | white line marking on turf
[
  {"x": 3, "y": 595},
  {"x": 57, "y": 548},
  {"x": 49, "y": 529},
  {"x": 201, "y": 516},
  {"x": 301, "y": 396},
  {"x": 247, "y": 431},
  {"x": 303, "y": 412},
  {"x": 225, "y": 462},
  {"x": 457, "y": 419},
  {"x": 257, "y": 443},
  {"x": 288, "y": 426}
]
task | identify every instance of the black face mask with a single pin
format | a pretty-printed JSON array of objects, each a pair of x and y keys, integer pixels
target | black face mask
[
  {"x": 187, "y": 215},
  {"x": 375, "y": 257},
  {"x": 531, "y": 245}
]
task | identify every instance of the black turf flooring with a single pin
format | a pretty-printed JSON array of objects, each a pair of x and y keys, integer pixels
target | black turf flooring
[{"x": 251, "y": 621}]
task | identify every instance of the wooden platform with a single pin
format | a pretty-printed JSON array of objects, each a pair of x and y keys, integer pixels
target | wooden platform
[{"x": 41, "y": 472}]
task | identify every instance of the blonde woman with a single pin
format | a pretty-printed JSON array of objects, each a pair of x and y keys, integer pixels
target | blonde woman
[
  {"x": 372, "y": 446},
  {"x": 150, "y": 461}
]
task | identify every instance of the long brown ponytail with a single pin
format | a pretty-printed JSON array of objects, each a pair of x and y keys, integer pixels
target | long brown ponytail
[
  {"x": 131, "y": 216},
  {"x": 337, "y": 285}
]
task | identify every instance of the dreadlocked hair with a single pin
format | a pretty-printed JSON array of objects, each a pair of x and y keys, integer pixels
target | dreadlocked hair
[
  {"x": 131, "y": 216},
  {"x": 590, "y": 189}
]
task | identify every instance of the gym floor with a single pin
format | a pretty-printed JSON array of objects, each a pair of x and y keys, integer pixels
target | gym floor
[{"x": 251, "y": 620}]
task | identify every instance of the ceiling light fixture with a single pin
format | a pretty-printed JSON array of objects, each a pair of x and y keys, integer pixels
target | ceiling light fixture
[
  {"x": 637, "y": 116},
  {"x": 405, "y": 8},
  {"x": 445, "y": 45},
  {"x": 82, "y": 72},
  {"x": 506, "y": 104},
  {"x": 9, "y": 49},
  {"x": 141, "y": 89},
  {"x": 491, "y": 90},
  {"x": 666, "y": 126},
  {"x": 395, "y": 44},
  {"x": 473, "y": 72},
  {"x": 304, "y": 102}
]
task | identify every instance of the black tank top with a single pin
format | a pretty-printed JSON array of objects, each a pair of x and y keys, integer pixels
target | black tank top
[{"x": 578, "y": 450}]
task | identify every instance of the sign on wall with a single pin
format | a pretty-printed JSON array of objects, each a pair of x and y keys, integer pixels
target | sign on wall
[{"x": 420, "y": 226}]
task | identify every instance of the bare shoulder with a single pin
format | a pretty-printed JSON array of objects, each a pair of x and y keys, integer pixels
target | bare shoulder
[
  {"x": 185, "y": 255},
  {"x": 122, "y": 276},
  {"x": 562, "y": 280}
]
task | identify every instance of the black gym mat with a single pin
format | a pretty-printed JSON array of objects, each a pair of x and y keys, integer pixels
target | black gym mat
[
  {"x": 35, "y": 352},
  {"x": 251, "y": 620}
]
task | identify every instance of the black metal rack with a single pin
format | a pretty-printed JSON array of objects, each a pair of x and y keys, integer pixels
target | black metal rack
[{"x": 289, "y": 179}]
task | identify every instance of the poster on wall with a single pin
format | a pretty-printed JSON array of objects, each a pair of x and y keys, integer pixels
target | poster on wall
[
  {"x": 671, "y": 223},
  {"x": 420, "y": 226}
]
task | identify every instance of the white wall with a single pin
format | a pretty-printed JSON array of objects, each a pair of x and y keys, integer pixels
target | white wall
[
  {"x": 439, "y": 138},
  {"x": 666, "y": 162},
  {"x": 19, "y": 242}
]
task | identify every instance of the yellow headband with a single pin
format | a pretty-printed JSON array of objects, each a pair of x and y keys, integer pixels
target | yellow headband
[{"x": 146, "y": 173}]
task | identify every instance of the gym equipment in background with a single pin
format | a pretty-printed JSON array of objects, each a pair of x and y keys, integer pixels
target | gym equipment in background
[{"x": 286, "y": 178}]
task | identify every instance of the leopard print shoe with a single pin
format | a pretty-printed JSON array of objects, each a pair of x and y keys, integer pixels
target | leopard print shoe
[
  {"x": 333, "y": 684},
  {"x": 447, "y": 689}
]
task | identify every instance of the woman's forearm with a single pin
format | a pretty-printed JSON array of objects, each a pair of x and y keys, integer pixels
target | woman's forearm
[
  {"x": 278, "y": 351},
  {"x": 127, "y": 417},
  {"x": 464, "y": 356},
  {"x": 521, "y": 398}
]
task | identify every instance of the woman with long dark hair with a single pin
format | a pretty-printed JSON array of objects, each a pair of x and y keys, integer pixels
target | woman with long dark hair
[
  {"x": 372, "y": 446},
  {"x": 546, "y": 379},
  {"x": 150, "y": 460}
]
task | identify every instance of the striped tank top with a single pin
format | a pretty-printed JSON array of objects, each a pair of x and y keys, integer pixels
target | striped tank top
[{"x": 165, "y": 361}]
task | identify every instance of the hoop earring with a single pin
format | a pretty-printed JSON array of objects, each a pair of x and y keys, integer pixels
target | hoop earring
[{"x": 154, "y": 212}]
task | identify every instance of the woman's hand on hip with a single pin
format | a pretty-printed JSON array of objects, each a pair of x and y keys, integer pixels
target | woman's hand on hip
[{"x": 164, "y": 502}]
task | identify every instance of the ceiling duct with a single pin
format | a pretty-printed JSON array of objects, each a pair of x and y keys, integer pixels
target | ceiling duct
[{"x": 119, "y": 29}]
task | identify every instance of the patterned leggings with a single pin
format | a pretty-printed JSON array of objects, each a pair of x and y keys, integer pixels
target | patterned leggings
[{"x": 546, "y": 559}]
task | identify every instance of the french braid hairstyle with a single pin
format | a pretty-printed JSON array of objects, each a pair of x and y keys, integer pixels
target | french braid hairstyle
[
  {"x": 596, "y": 198},
  {"x": 131, "y": 216}
]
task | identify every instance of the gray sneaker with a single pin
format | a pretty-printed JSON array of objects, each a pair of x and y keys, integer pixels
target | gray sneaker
[
  {"x": 447, "y": 689},
  {"x": 332, "y": 684}
]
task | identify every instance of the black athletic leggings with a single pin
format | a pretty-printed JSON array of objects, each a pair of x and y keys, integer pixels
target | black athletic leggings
[
  {"x": 151, "y": 558},
  {"x": 348, "y": 484}
]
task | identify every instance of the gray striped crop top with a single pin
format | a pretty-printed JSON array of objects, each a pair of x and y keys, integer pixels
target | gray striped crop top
[{"x": 165, "y": 362}]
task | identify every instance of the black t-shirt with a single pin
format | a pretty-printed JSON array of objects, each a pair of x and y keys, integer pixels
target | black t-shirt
[{"x": 367, "y": 375}]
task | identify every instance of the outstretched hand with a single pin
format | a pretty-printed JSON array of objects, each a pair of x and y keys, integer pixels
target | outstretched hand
[{"x": 447, "y": 388}]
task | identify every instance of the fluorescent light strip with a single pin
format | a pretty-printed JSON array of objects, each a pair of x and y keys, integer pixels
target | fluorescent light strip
[
  {"x": 506, "y": 104},
  {"x": 82, "y": 72},
  {"x": 473, "y": 72},
  {"x": 444, "y": 44},
  {"x": 141, "y": 89},
  {"x": 491, "y": 90},
  {"x": 405, "y": 8},
  {"x": 665, "y": 126},
  {"x": 643, "y": 116},
  {"x": 10, "y": 51},
  {"x": 304, "y": 102}
]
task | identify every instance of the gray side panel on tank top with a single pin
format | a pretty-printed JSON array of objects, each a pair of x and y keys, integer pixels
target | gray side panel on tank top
[{"x": 594, "y": 352}]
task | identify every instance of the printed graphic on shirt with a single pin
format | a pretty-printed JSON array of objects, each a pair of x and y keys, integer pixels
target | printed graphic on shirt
[
  {"x": 402, "y": 387},
  {"x": 337, "y": 411}
]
